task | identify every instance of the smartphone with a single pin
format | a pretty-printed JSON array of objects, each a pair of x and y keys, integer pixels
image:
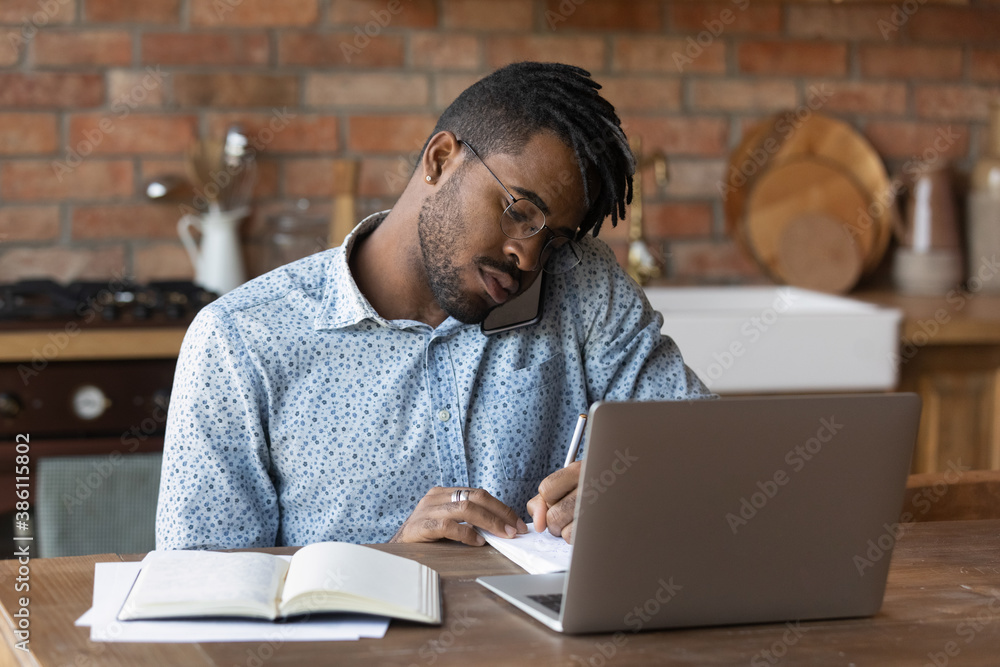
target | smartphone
[{"x": 522, "y": 310}]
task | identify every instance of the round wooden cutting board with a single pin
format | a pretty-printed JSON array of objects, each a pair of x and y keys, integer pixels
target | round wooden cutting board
[{"x": 802, "y": 200}]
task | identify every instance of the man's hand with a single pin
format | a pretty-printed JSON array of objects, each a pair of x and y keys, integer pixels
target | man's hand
[
  {"x": 555, "y": 503},
  {"x": 438, "y": 517}
]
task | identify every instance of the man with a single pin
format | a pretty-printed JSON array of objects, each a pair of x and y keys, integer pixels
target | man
[{"x": 352, "y": 396}]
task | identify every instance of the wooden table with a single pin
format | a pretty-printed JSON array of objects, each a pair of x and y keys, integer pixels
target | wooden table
[{"x": 943, "y": 596}]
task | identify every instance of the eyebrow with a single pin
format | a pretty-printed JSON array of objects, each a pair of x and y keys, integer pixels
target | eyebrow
[{"x": 532, "y": 196}]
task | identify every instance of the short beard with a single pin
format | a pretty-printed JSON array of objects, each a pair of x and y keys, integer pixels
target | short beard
[{"x": 439, "y": 224}]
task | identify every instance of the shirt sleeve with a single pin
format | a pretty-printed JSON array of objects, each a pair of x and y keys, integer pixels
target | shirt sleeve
[
  {"x": 215, "y": 491},
  {"x": 626, "y": 355}
]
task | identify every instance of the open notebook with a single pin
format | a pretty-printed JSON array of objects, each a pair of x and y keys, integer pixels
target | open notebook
[{"x": 321, "y": 577}]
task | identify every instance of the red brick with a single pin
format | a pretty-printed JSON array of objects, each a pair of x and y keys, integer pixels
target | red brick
[
  {"x": 384, "y": 14},
  {"x": 235, "y": 90},
  {"x": 698, "y": 16},
  {"x": 743, "y": 94},
  {"x": 844, "y": 22},
  {"x": 371, "y": 89},
  {"x": 585, "y": 52},
  {"x": 130, "y": 11},
  {"x": 10, "y": 54},
  {"x": 247, "y": 13},
  {"x": 955, "y": 24},
  {"x": 206, "y": 48},
  {"x": 695, "y": 177},
  {"x": 984, "y": 65},
  {"x": 30, "y": 14},
  {"x": 864, "y": 97},
  {"x": 640, "y": 15},
  {"x": 683, "y": 136},
  {"x": 710, "y": 259},
  {"x": 311, "y": 177},
  {"x": 162, "y": 261},
  {"x": 28, "y": 223},
  {"x": 668, "y": 54},
  {"x": 268, "y": 179},
  {"x": 818, "y": 58},
  {"x": 51, "y": 90},
  {"x": 447, "y": 87},
  {"x": 399, "y": 133},
  {"x": 135, "y": 221},
  {"x": 444, "y": 51},
  {"x": 634, "y": 93},
  {"x": 384, "y": 176},
  {"x": 24, "y": 133},
  {"x": 160, "y": 165},
  {"x": 908, "y": 139},
  {"x": 953, "y": 102},
  {"x": 487, "y": 15},
  {"x": 93, "y": 47},
  {"x": 341, "y": 48},
  {"x": 136, "y": 89},
  {"x": 910, "y": 62},
  {"x": 281, "y": 131},
  {"x": 664, "y": 220},
  {"x": 47, "y": 180},
  {"x": 62, "y": 264},
  {"x": 135, "y": 133}
]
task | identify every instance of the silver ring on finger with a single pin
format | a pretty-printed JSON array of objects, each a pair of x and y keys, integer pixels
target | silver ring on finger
[{"x": 458, "y": 495}]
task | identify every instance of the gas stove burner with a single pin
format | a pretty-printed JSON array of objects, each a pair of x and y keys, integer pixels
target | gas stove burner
[{"x": 96, "y": 303}]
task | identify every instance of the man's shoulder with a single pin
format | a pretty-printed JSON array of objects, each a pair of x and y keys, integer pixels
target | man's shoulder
[{"x": 283, "y": 290}]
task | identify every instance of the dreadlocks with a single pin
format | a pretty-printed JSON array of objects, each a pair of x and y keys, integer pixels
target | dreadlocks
[{"x": 503, "y": 111}]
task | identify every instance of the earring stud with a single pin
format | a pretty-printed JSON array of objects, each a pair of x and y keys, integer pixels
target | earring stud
[{"x": 427, "y": 178}]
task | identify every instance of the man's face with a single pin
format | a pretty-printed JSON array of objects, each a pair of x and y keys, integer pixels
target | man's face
[{"x": 471, "y": 266}]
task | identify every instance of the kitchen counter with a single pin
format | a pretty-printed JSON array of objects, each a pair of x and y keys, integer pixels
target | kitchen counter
[
  {"x": 957, "y": 318},
  {"x": 76, "y": 344}
]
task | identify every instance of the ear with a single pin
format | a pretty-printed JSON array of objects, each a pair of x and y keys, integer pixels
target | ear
[{"x": 440, "y": 156}]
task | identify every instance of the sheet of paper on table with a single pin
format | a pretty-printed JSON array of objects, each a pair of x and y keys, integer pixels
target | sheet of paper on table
[
  {"x": 538, "y": 553},
  {"x": 112, "y": 582}
]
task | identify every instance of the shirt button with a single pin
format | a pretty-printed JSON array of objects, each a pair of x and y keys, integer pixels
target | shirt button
[{"x": 444, "y": 415}]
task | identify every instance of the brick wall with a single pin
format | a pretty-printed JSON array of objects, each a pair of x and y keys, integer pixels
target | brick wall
[{"x": 98, "y": 96}]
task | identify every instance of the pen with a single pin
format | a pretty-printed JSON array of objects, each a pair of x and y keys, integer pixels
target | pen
[{"x": 574, "y": 443}]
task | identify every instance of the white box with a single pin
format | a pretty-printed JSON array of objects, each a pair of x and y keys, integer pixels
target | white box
[{"x": 746, "y": 340}]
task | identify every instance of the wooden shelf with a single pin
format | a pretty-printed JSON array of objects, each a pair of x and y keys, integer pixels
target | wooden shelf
[{"x": 26, "y": 346}]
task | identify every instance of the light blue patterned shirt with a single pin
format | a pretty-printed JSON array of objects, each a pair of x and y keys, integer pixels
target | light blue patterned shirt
[{"x": 299, "y": 415}]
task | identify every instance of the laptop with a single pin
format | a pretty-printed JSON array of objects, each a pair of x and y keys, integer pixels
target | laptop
[{"x": 729, "y": 511}]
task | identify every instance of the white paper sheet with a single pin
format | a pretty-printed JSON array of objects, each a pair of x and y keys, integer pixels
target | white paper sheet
[
  {"x": 112, "y": 582},
  {"x": 538, "y": 553}
]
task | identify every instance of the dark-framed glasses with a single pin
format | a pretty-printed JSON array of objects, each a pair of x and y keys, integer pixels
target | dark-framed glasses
[{"x": 523, "y": 219}]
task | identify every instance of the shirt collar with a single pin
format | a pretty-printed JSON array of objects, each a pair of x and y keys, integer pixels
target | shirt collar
[{"x": 343, "y": 303}]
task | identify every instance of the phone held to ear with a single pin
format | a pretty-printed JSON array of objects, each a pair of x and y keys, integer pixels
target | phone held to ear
[{"x": 524, "y": 309}]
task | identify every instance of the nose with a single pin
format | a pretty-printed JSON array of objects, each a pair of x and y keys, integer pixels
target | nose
[{"x": 528, "y": 253}]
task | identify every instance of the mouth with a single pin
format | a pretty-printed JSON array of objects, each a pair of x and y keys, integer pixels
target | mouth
[{"x": 499, "y": 285}]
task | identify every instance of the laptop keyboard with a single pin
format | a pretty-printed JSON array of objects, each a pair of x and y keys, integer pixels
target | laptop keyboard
[{"x": 551, "y": 601}]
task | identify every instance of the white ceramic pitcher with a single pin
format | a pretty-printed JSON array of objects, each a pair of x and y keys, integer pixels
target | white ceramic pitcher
[{"x": 218, "y": 263}]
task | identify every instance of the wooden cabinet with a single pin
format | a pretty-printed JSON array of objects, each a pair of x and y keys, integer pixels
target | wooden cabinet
[{"x": 950, "y": 355}]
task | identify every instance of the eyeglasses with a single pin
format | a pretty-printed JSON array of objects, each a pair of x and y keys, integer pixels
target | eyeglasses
[{"x": 522, "y": 219}]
